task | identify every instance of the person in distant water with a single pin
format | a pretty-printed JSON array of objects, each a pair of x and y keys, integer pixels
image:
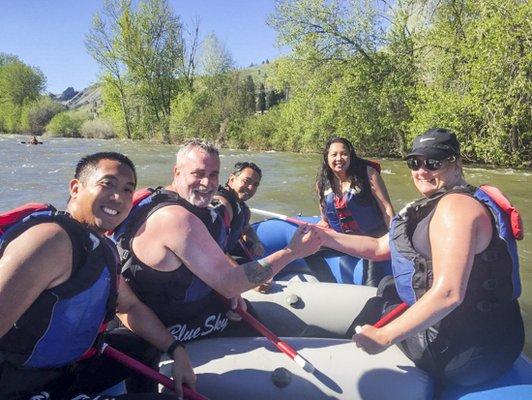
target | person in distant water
[
  {"x": 34, "y": 140},
  {"x": 173, "y": 257},
  {"x": 455, "y": 263},
  {"x": 59, "y": 286},
  {"x": 241, "y": 186},
  {"x": 352, "y": 197}
]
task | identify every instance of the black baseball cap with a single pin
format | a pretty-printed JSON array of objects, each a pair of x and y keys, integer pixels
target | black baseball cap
[{"x": 437, "y": 144}]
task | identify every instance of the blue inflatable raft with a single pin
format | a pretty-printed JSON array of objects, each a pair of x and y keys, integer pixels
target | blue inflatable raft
[
  {"x": 333, "y": 266},
  {"x": 325, "y": 266}
]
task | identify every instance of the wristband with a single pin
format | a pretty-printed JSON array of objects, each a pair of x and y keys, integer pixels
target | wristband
[{"x": 174, "y": 345}]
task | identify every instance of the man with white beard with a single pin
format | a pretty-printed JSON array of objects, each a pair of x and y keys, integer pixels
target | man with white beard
[{"x": 171, "y": 253}]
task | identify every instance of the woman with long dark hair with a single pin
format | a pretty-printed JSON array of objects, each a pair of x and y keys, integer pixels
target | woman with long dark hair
[
  {"x": 353, "y": 198},
  {"x": 352, "y": 195}
]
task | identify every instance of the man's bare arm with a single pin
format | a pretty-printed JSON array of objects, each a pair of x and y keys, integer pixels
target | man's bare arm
[
  {"x": 258, "y": 271},
  {"x": 38, "y": 259},
  {"x": 186, "y": 236}
]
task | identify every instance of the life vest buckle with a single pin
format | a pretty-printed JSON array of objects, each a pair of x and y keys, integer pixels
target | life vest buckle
[
  {"x": 490, "y": 284},
  {"x": 490, "y": 256},
  {"x": 485, "y": 306},
  {"x": 124, "y": 256}
]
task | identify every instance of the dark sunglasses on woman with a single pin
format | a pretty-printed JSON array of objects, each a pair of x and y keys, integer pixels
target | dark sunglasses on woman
[{"x": 428, "y": 163}]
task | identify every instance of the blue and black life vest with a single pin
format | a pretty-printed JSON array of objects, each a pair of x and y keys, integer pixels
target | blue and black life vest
[
  {"x": 494, "y": 280},
  {"x": 356, "y": 211},
  {"x": 63, "y": 323},
  {"x": 173, "y": 296},
  {"x": 241, "y": 215}
]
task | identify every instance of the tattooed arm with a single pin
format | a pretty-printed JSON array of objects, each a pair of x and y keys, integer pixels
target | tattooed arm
[
  {"x": 258, "y": 271},
  {"x": 187, "y": 238}
]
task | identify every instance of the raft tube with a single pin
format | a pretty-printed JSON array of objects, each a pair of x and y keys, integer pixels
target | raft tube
[
  {"x": 252, "y": 368},
  {"x": 325, "y": 266},
  {"x": 310, "y": 309},
  {"x": 313, "y": 318}
]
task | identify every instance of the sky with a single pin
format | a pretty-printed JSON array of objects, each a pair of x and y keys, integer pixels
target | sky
[{"x": 50, "y": 34}]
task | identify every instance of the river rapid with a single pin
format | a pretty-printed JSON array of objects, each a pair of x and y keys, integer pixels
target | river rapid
[{"x": 40, "y": 173}]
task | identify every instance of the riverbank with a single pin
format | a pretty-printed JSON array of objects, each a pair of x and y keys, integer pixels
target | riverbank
[{"x": 107, "y": 135}]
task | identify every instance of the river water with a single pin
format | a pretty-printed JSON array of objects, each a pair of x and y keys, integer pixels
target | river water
[{"x": 41, "y": 173}]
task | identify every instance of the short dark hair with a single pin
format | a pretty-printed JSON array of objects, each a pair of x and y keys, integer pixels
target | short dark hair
[
  {"x": 240, "y": 166},
  {"x": 88, "y": 164}
]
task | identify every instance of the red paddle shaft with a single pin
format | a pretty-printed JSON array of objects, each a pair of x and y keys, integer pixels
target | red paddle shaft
[
  {"x": 272, "y": 337},
  {"x": 147, "y": 371},
  {"x": 401, "y": 308},
  {"x": 278, "y": 216}
]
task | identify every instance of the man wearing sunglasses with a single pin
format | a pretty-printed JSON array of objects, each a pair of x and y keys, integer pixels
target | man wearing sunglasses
[{"x": 454, "y": 263}]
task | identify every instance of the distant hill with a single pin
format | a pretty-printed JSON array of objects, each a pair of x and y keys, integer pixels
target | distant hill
[
  {"x": 86, "y": 99},
  {"x": 259, "y": 72},
  {"x": 90, "y": 98},
  {"x": 67, "y": 94}
]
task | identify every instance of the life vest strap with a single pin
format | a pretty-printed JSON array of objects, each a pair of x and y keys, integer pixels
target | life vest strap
[{"x": 8, "y": 218}]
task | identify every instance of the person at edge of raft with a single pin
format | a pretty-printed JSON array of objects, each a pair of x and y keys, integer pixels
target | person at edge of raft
[
  {"x": 233, "y": 214},
  {"x": 353, "y": 198},
  {"x": 59, "y": 285},
  {"x": 241, "y": 186},
  {"x": 455, "y": 263},
  {"x": 173, "y": 258}
]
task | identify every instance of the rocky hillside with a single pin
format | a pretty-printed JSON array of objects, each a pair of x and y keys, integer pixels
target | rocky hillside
[
  {"x": 67, "y": 94},
  {"x": 89, "y": 98}
]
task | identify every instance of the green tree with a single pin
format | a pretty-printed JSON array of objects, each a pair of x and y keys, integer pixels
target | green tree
[
  {"x": 352, "y": 71},
  {"x": 145, "y": 58},
  {"x": 20, "y": 82},
  {"x": 261, "y": 100},
  {"x": 476, "y": 76},
  {"x": 215, "y": 59},
  {"x": 272, "y": 98},
  {"x": 251, "y": 102},
  {"x": 101, "y": 43},
  {"x": 20, "y": 85},
  {"x": 41, "y": 112},
  {"x": 67, "y": 124},
  {"x": 7, "y": 58}
]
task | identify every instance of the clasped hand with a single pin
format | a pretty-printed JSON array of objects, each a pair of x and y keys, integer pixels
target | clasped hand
[{"x": 372, "y": 340}]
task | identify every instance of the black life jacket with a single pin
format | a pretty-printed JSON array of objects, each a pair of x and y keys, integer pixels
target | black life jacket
[
  {"x": 241, "y": 215},
  {"x": 494, "y": 280},
  {"x": 174, "y": 296},
  {"x": 64, "y": 322}
]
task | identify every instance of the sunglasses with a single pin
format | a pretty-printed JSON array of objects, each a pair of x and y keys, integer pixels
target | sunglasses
[{"x": 428, "y": 163}]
